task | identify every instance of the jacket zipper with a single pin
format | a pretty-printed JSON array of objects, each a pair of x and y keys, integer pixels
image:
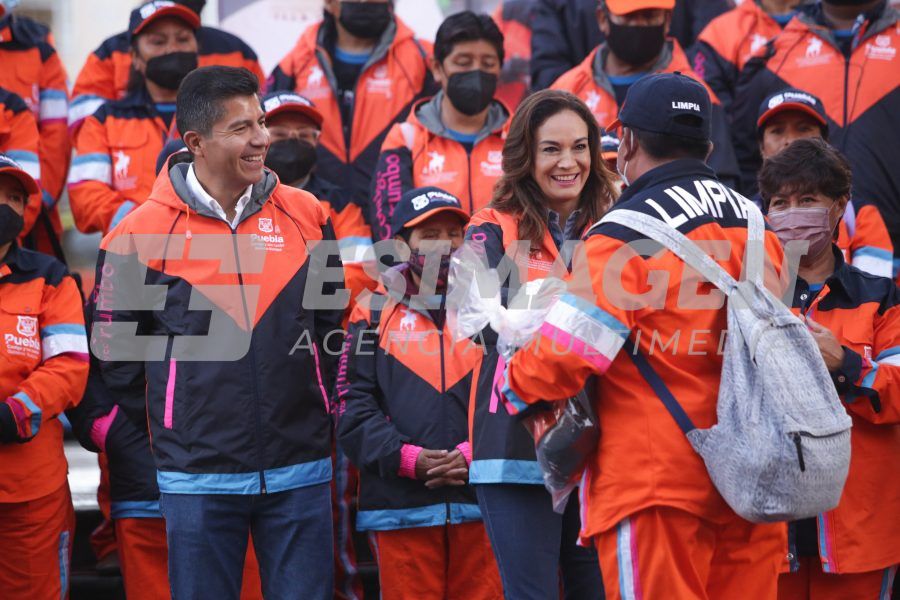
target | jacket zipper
[
  {"x": 471, "y": 199},
  {"x": 443, "y": 405},
  {"x": 252, "y": 355}
]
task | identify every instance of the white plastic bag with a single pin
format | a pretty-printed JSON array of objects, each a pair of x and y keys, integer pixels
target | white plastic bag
[{"x": 565, "y": 431}]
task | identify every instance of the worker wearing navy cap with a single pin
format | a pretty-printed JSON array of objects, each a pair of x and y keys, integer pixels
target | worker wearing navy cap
[
  {"x": 403, "y": 388},
  {"x": 660, "y": 527},
  {"x": 791, "y": 114}
]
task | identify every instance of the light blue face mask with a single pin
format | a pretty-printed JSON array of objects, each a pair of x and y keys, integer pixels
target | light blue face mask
[{"x": 9, "y": 4}]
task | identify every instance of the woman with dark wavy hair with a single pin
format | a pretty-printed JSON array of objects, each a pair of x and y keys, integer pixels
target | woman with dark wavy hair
[{"x": 555, "y": 185}]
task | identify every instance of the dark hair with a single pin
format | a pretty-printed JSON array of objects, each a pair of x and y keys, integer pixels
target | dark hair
[
  {"x": 666, "y": 146},
  {"x": 201, "y": 94},
  {"x": 517, "y": 192},
  {"x": 466, "y": 26},
  {"x": 809, "y": 165}
]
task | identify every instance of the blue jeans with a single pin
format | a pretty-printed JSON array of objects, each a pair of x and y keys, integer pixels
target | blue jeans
[
  {"x": 291, "y": 532},
  {"x": 534, "y": 545}
]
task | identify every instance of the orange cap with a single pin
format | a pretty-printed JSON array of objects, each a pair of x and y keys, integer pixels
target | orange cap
[{"x": 623, "y": 7}]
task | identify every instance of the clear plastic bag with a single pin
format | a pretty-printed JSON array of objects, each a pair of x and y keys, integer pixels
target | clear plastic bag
[{"x": 565, "y": 431}]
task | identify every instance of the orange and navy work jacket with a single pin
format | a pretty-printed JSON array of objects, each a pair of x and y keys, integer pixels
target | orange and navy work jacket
[
  {"x": 247, "y": 421},
  {"x": 104, "y": 75},
  {"x": 725, "y": 45},
  {"x": 502, "y": 449},
  {"x": 394, "y": 77},
  {"x": 19, "y": 140},
  {"x": 590, "y": 82},
  {"x": 513, "y": 18},
  {"x": 43, "y": 369},
  {"x": 860, "y": 93},
  {"x": 420, "y": 152},
  {"x": 618, "y": 291},
  {"x": 863, "y": 313},
  {"x": 32, "y": 69},
  {"x": 403, "y": 379},
  {"x": 864, "y": 239},
  {"x": 115, "y": 161}
]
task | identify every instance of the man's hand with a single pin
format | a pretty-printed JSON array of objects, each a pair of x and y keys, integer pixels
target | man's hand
[
  {"x": 829, "y": 346},
  {"x": 438, "y": 468}
]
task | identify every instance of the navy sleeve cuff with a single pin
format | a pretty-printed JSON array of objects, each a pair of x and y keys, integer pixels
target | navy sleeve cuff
[
  {"x": 846, "y": 376},
  {"x": 8, "y": 430}
]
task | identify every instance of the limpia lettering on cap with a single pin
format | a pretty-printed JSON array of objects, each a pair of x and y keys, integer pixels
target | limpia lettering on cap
[{"x": 679, "y": 105}]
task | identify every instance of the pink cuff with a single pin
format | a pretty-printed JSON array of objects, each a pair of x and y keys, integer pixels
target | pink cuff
[
  {"x": 409, "y": 454},
  {"x": 466, "y": 450},
  {"x": 100, "y": 428}
]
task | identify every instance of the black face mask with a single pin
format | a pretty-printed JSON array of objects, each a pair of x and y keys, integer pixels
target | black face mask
[
  {"x": 291, "y": 159},
  {"x": 194, "y": 5},
  {"x": 366, "y": 20},
  {"x": 636, "y": 44},
  {"x": 472, "y": 91},
  {"x": 168, "y": 70},
  {"x": 11, "y": 224}
]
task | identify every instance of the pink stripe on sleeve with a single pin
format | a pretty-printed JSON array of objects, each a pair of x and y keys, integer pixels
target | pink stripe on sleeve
[{"x": 170, "y": 394}]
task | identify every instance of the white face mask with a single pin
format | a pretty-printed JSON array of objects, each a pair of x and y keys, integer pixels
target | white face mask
[{"x": 624, "y": 168}]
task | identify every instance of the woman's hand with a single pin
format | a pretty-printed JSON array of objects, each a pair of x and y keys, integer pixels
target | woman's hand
[{"x": 829, "y": 346}]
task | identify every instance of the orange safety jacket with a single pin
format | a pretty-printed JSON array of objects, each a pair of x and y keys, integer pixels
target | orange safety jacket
[
  {"x": 863, "y": 312},
  {"x": 421, "y": 152},
  {"x": 105, "y": 74},
  {"x": 620, "y": 291},
  {"x": 513, "y": 18},
  {"x": 725, "y": 45},
  {"x": 115, "y": 161},
  {"x": 19, "y": 140},
  {"x": 864, "y": 239},
  {"x": 589, "y": 82},
  {"x": 860, "y": 93},
  {"x": 43, "y": 370},
  {"x": 32, "y": 69},
  {"x": 395, "y": 76}
]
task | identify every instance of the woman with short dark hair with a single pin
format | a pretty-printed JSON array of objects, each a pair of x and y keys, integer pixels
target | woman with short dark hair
[
  {"x": 851, "y": 551},
  {"x": 554, "y": 186}
]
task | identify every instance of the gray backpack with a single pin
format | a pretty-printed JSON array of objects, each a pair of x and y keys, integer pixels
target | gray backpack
[{"x": 780, "y": 450}]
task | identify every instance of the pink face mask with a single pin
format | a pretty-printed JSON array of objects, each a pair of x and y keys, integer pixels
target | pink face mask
[{"x": 804, "y": 224}]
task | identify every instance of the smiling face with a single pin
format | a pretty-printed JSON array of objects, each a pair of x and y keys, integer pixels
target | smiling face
[
  {"x": 442, "y": 227},
  {"x": 235, "y": 149},
  {"x": 563, "y": 158},
  {"x": 784, "y": 128}
]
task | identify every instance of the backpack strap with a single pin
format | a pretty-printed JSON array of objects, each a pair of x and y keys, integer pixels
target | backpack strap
[
  {"x": 676, "y": 242},
  {"x": 755, "y": 250},
  {"x": 659, "y": 387}
]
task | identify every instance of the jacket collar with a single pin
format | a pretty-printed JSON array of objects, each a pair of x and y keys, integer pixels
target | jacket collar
[
  {"x": 171, "y": 189},
  {"x": 17, "y": 259},
  {"x": 677, "y": 169},
  {"x": 599, "y": 64},
  {"x": 428, "y": 113},
  {"x": 812, "y": 17}
]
